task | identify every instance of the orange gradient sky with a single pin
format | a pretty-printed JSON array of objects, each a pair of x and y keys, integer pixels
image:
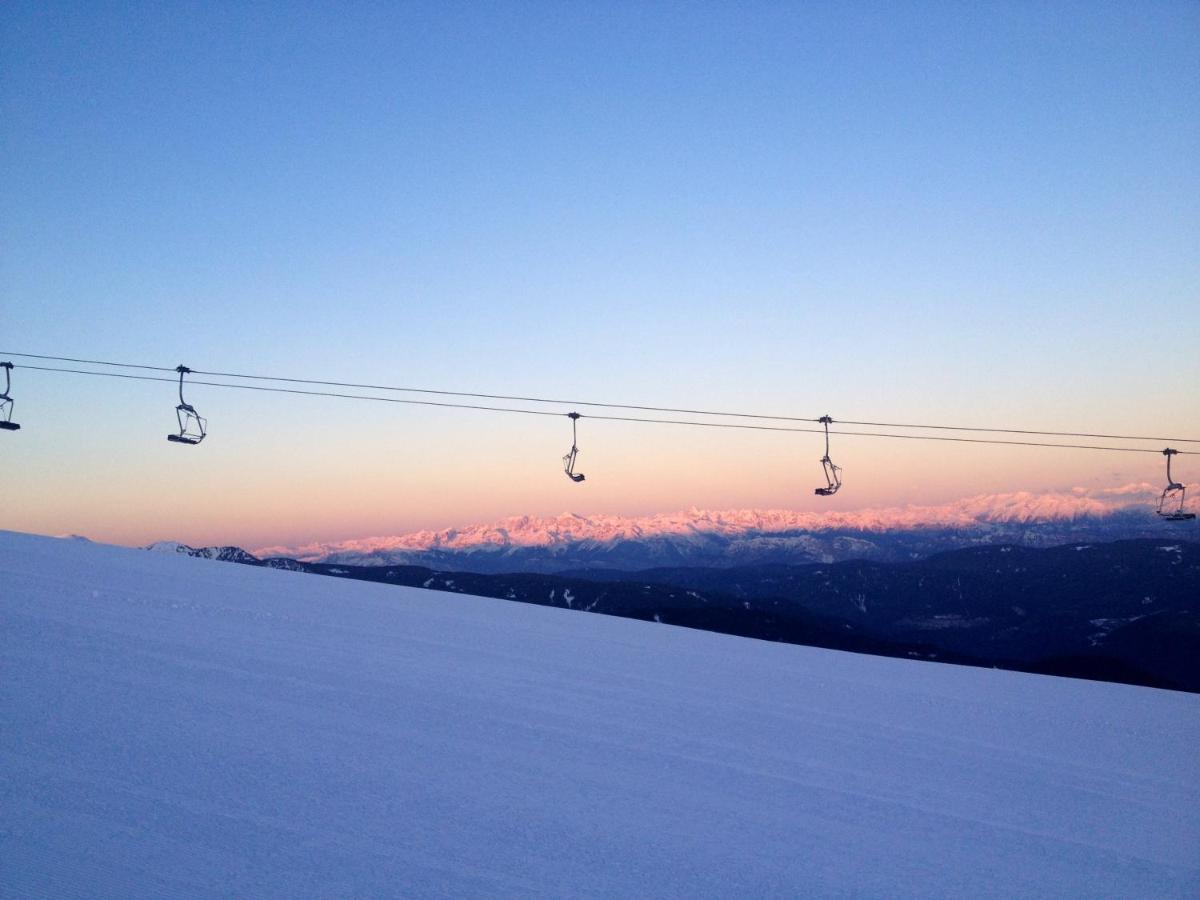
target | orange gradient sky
[
  {"x": 976, "y": 214},
  {"x": 290, "y": 472}
]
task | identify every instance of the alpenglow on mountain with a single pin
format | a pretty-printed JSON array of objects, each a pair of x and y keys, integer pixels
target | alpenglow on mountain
[{"x": 742, "y": 537}]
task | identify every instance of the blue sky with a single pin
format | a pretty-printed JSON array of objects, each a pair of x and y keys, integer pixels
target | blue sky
[{"x": 979, "y": 213}]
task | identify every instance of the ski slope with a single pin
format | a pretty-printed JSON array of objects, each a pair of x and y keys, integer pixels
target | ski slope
[{"x": 180, "y": 727}]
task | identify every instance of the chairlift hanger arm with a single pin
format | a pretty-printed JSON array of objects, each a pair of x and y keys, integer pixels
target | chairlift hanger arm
[
  {"x": 6, "y": 401},
  {"x": 182, "y": 370},
  {"x": 186, "y": 415},
  {"x": 833, "y": 479},
  {"x": 826, "y": 421},
  {"x": 1168, "y": 453},
  {"x": 569, "y": 459},
  {"x": 1175, "y": 512}
]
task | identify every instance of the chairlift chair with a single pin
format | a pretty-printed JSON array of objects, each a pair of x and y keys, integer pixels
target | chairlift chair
[
  {"x": 191, "y": 423},
  {"x": 833, "y": 473},
  {"x": 1170, "y": 504},
  {"x": 6, "y": 402},
  {"x": 569, "y": 459}
]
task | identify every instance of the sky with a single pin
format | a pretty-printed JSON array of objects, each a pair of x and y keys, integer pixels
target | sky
[{"x": 979, "y": 214}]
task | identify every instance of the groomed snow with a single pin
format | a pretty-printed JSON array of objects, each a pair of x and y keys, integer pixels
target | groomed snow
[{"x": 179, "y": 727}]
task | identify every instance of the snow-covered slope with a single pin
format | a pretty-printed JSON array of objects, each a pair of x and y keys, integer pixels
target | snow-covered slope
[{"x": 171, "y": 726}]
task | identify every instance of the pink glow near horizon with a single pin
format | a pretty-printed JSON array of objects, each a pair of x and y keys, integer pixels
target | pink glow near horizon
[
  {"x": 1021, "y": 506},
  {"x": 257, "y": 488}
]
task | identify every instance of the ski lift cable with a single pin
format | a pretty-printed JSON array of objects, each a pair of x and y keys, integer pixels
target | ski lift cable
[
  {"x": 90, "y": 362},
  {"x": 605, "y": 405},
  {"x": 606, "y": 417},
  {"x": 413, "y": 390},
  {"x": 880, "y": 434},
  {"x": 279, "y": 390}
]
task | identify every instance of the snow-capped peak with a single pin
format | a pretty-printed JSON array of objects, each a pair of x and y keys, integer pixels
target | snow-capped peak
[{"x": 571, "y": 529}]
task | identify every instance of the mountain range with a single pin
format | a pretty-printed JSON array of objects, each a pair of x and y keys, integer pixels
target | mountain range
[{"x": 747, "y": 537}]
